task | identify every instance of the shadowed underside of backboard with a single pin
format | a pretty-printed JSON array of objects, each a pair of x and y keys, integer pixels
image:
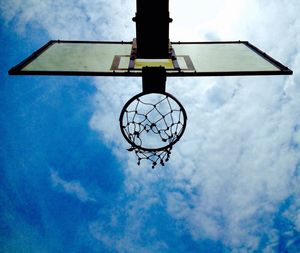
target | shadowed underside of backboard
[{"x": 98, "y": 58}]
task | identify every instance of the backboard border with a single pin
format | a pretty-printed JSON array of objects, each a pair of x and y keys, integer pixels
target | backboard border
[{"x": 17, "y": 70}]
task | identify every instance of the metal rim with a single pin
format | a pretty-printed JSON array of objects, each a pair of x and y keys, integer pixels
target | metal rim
[{"x": 152, "y": 149}]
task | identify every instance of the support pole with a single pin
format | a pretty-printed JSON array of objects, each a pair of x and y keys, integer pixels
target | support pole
[{"x": 152, "y": 29}]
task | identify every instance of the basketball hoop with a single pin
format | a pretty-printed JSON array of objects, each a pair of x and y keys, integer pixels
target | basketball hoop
[{"x": 152, "y": 123}]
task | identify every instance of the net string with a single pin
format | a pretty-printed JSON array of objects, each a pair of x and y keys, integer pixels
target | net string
[
  {"x": 167, "y": 133},
  {"x": 156, "y": 157}
]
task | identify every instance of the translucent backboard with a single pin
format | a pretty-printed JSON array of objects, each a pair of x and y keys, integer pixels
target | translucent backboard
[{"x": 96, "y": 58}]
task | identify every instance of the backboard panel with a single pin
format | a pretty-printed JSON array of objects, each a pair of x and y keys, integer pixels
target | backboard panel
[
  {"x": 93, "y": 58},
  {"x": 227, "y": 58},
  {"x": 74, "y": 58}
]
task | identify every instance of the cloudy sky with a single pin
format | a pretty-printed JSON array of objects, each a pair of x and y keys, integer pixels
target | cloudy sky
[{"x": 67, "y": 183}]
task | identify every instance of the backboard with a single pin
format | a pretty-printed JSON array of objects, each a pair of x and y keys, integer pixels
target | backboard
[{"x": 100, "y": 58}]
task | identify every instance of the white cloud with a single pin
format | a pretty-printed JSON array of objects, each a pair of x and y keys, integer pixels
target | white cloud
[
  {"x": 72, "y": 187},
  {"x": 127, "y": 242},
  {"x": 74, "y": 20},
  {"x": 237, "y": 161},
  {"x": 124, "y": 227},
  {"x": 195, "y": 20}
]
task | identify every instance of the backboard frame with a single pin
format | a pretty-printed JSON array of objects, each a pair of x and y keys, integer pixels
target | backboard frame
[{"x": 17, "y": 70}]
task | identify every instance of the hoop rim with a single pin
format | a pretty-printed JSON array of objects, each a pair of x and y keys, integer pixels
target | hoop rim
[{"x": 152, "y": 149}]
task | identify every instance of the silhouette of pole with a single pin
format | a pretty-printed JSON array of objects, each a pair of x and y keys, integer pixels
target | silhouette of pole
[{"x": 152, "y": 29}]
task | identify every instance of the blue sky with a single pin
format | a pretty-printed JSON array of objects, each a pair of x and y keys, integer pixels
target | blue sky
[{"x": 67, "y": 182}]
